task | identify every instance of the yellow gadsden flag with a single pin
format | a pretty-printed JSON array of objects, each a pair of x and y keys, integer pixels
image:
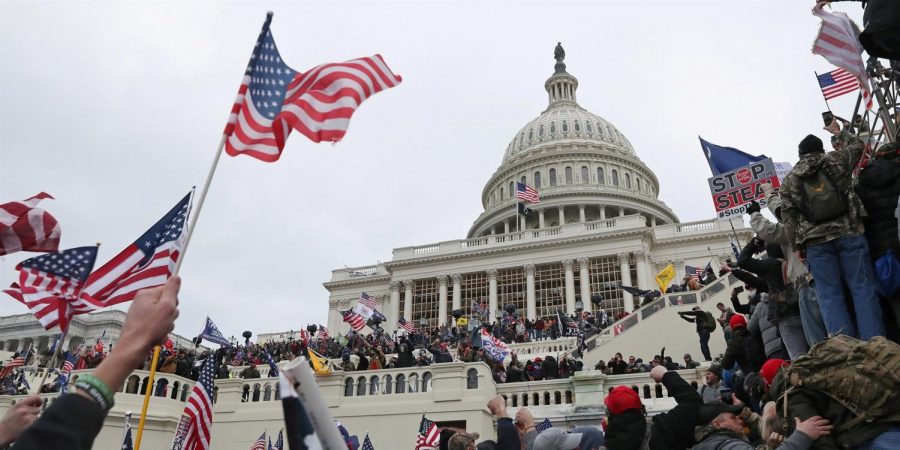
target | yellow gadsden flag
[
  {"x": 321, "y": 366},
  {"x": 665, "y": 277}
]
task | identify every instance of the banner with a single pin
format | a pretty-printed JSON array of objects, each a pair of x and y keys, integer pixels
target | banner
[
  {"x": 732, "y": 191},
  {"x": 782, "y": 169}
]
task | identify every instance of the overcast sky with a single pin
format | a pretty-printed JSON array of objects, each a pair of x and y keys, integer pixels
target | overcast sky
[{"x": 115, "y": 108}]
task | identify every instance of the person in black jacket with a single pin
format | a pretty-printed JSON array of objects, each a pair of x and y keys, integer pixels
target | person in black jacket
[
  {"x": 702, "y": 320},
  {"x": 73, "y": 421},
  {"x": 507, "y": 434},
  {"x": 550, "y": 368},
  {"x": 741, "y": 348}
]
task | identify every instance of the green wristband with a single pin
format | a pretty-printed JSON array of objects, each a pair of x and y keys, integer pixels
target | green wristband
[{"x": 97, "y": 389}]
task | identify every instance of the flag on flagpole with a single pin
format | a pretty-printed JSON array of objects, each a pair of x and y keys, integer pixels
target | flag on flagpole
[
  {"x": 837, "y": 83},
  {"x": 212, "y": 334},
  {"x": 664, "y": 278},
  {"x": 23, "y": 227},
  {"x": 279, "y": 443},
  {"x": 274, "y": 99},
  {"x": 194, "y": 430},
  {"x": 725, "y": 159},
  {"x": 370, "y": 302},
  {"x": 67, "y": 367},
  {"x": 259, "y": 444},
  {"x": 18, "y": 361},
  {"x": 495, "y": 348},
  {"x": 543, "y": 426},
  {"x": 406, "y": 325},
  {"x": 147, "y": 262},
  {"x": 429, "y": 435},
  {"x": 323, "y": 332},
  {"x": 49, "y": 285},
  {"x": 353, "y": 319},
  {"x": 55, "y": 343},
  {"x": 694, "y": 272},
  {"x": 527, "y": 193},
  {"x": 367, "y": 443},
  {"x": 837, "y": 42},
  {"x": 363, "y": 309},
  {"x": 273, "y": 368},
  {"x": 126, "y": 441},
  {"x": 321, "y": 366}
]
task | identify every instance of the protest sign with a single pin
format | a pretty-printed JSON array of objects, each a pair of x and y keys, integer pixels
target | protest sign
[{"x": 732, "y": 191}]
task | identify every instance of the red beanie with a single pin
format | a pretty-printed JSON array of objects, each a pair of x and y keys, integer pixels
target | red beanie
[
  {"x": 737, "y": 321},
  {"x": 622, "y": 399},
  {"x": 770, "y": 369}
]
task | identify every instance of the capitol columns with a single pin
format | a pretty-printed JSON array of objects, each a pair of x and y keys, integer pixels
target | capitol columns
[
  {"x": 626, "y": 280},
  {"x": 585, "y": 284},
  {"x": 442, "y": 300},
  {"x": 602, "y": 212},
  {"x": 570, "y": 286},
  {"x": 334, "y": 317},
  {"x": 562, "y": 215},
  {"x": 541, "y": 218},
  {"x": 642, "y": 273},
  {"x": 457, "y": 291},
  {"x": 395, "y": 306},
  {"x": 492, "y": 293},
  {"x": 407, "y": 299},
  {"x": 530, "y": 304},
  {"x": 581, "y": 213}
]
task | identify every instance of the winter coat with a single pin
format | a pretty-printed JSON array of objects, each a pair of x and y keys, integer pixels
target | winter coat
[
  {"x": 771, "y": 270},
  {"x": 550, "y": 368},
  {"x": 741, "y": 350},
  {"x": 839, "y": 165},
  {"x": 879, "y": 188},
  {"x": 759, "y": 325},
  {"x": 777, "y": 233}
]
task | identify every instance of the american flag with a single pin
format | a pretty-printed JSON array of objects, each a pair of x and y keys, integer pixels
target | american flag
[
  {"x": 837, "y": 42},
  {"x": 16, "y": 362},
  {"x": 212, "y": 334},
  {"x": 279, "y": 443},
  {"x": 126, "y": 442},
  {"x": 67, "y": 368},
  {"x": 367, "y": 443},
  {"x": 527, "y": 193},
  {"x": 354, "y": 320},
  {"x": 323, "y": 332},
  {"x": 429, "y": 435},
  {"x": 406, "y": 325},
  {"x": 146, "y": 263},
  {"x": 194, "y": 430},
  {"x": 370, "y": 302},
  {"x": 274, "y": 99},
  {"x": 26, "y": 228},
  {"x": 543, "y": 426},
  {"x": 49, "y": 285},
  {"x": 273, "y": 368},
  {"x": 694, "y": 272},
  {"x": 259, "y": 444},
  {"x": 836, "y": 83}
]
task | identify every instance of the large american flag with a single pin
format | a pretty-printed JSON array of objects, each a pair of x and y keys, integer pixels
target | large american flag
[
  {"x": 195, "y": 428},
  {"x": 23, "y": 227},
  {"x": 50, "y": 285},
  {"x": 836, "y": 83},
  {"x": 259, "y": 444},
  {"x": 406, "y": 325},
  {"x": 370, "y": 302},
  {"x": 323, "y": 332},
  {"x": 527, "y": 193},
  {"x": 355, "y": 320},
  {"x": 274, "y": 99},
  {"x": 693, "y": 272},
  {"x": 429, "y": 435},
  {"x": 16, "y": 362},
  {"x": 146, "y": 263},
  {"x": 837, "y": 42}
]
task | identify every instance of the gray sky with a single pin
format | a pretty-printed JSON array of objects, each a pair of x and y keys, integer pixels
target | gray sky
[{"x": 115, "y": 108}]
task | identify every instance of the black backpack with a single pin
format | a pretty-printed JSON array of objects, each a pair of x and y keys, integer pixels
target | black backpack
[
  {"x": 820, "y": 198},
  {"x": 707, "y": 321}
]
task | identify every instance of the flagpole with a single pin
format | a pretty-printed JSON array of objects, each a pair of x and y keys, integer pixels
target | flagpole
[
  {"x": 823, "y": 92},
  {"x": 50, "y": 364},
  {"x": 140, "y": 432}
]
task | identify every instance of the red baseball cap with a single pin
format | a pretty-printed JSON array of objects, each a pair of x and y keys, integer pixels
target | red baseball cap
[
  {"x": 737, "y": 321},
  {"x": 622, "y": 399},
  {"x": 770, "y": 369}
]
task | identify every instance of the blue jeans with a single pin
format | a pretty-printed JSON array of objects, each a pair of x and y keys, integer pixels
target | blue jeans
[
  {"x": 889, "y": 440},
  {"x": 846, "y": 259},
  {"x": 810, "y": 314},
  {"x": 704, "y": 345}
]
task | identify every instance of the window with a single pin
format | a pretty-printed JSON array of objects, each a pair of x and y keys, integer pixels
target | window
[
  {"x": 552, "y": 177},
  {"x": 615, "y": 177},
  {"x": 628, "y": 181},
  {"x": 637, "y": 183},
  {"x": 512, "y": 189},
  {"x": 426, "y": 381},
  {"x": 425, "y": 302},
  {"x": 585, "y": 175},
  {"x": 511, "y": 289},
  {"x": 549, "y": 286},
  {"x": 523, "y": 180},
  {"x": 388, "y": 384},
  {"x": 401, "y": 384},
  {"x": 588, "y": 127},
  {"x": 501, "y": 193},
  {"x": 577, "y": 126},
  {"x": 537, "y": 180},
  {"x": 361, "y": 386},
  {"x": 530, "y": 134},
  {"x": 472, "y": 379},
  {"x": 552, "y": 128},
  {"x": 473, "y": 287},
  {"x": 605, "y": 275},
  {"x": 565, "y": 127},
  {"x": 600, "y": 178},
  {"x": 374, "y": 385},
  {"x": 599, "y": 129},
  {"x": 413, "y": 383},
  {"x": 541, "y": 131},
  {"x": 568, "y": 175}
]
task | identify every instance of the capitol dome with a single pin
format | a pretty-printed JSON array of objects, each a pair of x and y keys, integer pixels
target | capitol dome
[{"x": 583, "y": 167}]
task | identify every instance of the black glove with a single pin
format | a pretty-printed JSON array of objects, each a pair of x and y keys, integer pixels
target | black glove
[{"x": 753, "y": 207}]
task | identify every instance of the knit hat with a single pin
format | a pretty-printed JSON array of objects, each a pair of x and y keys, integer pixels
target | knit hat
[
  {"x": 622, "y": 399},
  {"x": 716, "y": 369},
  {"x": 737, "y": 321},
  {"x": 770, "y": 369},
  {"x": 710, "y": 411},
  {"x": 810, "y": 144}
]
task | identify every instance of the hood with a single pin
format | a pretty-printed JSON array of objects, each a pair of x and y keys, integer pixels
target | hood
[
  {"x": 808, "y": 164},
  {"x": 879, "y": 174}
]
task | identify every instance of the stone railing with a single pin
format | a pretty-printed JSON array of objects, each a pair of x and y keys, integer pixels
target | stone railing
[
  {"x": 350, "y": 273},
  {"x": 618, "y": 224},
  {"x": 583, "y": 189},
  {"x": 676, "y": 230}
]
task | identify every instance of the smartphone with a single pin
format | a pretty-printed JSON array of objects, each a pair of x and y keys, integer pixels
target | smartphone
[
  {"x": 827, "y": 117},
  {"x": 739, "y": 289}
]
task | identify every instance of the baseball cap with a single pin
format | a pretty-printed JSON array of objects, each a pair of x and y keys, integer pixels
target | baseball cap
[
  {"x": 622, "y": 399},
  {"x": 556, "y": 439},
  {"x": 710, "y": 411}
]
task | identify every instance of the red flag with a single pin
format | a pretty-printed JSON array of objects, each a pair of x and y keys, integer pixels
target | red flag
[{"x": 23, "y": 227}]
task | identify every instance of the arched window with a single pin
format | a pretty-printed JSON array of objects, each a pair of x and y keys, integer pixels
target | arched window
[
  {"x": 361, "y": 386},
  {"x": 256, "y": 391},
  {"x": 637, "y": 183},
  {"x": 565, "y": 127},
  {"x": 388, "y": 384},
  {"x": 186, "y": 390},
  {"x": 600, "y": 178},
  {"x": 472, "y": 379},
  {"x": 161, "y": 386},
  {"x": 547, "y": 394},
  {"x": 530, "y": 134},
  {"x": 647, "y": 391},
  {"x": 535, "y": 399},
  {"x": 512, "y": 189},
  {"x": 552, "y": 128},
  {"x": 588, "y": 127},
  {"x": 175, "y": 386},
  {"x": 599, "y": 129},
  {"x": 552, "y": 177},
  {"x": 557, "y": 398},
  {"x": 615, "y": 177},
  {"x": 523, "y": 180},
  {"x": 426, "y": 381},
  {"x": 413, "y": 383},
  {"x": 501, "y": 193},
  {"x": 401, "y": 384},
  {"x": 577, "y": 126},
  {"x": 628, "y": 181},
  {"x": 585, "y": 175},
  {"x": 568, "y": 175},
  {"x": 569, "y": 398},
  {"x": 267, "y": 392},
  {"x": 541, "y": 131},
  {"x": 374, "y": 385},
  {"x": 537, "y": 180},
  {"x": 132, "y": 386}
]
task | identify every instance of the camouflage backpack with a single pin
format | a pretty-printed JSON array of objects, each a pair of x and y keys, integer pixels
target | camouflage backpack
[{"x": 863, "y": 376}]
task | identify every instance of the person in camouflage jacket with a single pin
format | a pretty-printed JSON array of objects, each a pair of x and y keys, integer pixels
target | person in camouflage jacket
[{"x": 836, "y": 249}]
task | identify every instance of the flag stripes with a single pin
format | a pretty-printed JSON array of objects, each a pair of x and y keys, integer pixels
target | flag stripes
[
  {"x": 836, "y": 83},
  {"x": 23, "y": 227},
  {"x": 837, "y": 42}
]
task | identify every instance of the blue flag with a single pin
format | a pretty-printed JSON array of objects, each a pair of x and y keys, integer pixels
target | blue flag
[
  {"x": 725, "y": 159},
  {"x": 543, "y": 426},
  {"x": 212, "y": 334},
  {"x": 273, "y": 368}
]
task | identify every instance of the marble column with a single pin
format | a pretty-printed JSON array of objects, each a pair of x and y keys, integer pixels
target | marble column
[
  {"x": 530, "y": 304},
  {"x": 621, "y": 211},
  {"x": 562, "y": 215},
  {"x": 492, "y": 293},
  {"x": 642, "y": 272},
  {"x": 408, "y": 300},
  {"x": 457, "y": 290},
  {"x": 395, "y": 305},
  {"x": 506, "y": 226},
  {"x": 570, "y": 286},
  {"x": 602, "y": 212},
  {"x": 581, "y": 213},
  {"x": 541, "y": 218},
  {"x": 442, "y": 300},
  {"x": 626, "y": 280},
  {"x": 652, "y": 221},
  {"x": 585, "y": 284}
]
